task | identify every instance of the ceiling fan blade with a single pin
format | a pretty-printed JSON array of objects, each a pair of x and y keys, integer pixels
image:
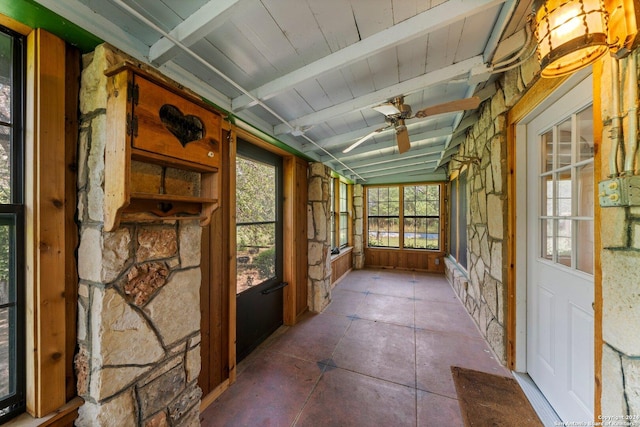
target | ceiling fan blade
[
  {"x": 448, "y": 107},
  {"x": 363, "y": 139},
  {"x": 402, "y": 137}
]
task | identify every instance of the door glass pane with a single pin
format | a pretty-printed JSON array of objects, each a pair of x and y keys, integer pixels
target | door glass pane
[
  {"x": 256, "y": 254},
  {"x": 547, "y": 195},
  {"x": 584, "y": 246},
  {"x": 564, "y": 189},
  {"x": 567, "y": 193},
  {"x": 255, "y": 191},
  {"x": 563, "y": 147},
  {"x": 546, "y": 229},
  {"x": 584, "y": 190},
  {"x": 547, "y": 151},
  {"x": 563, "y": 242},
  {"x": 255, "y": 222},
  {"x": 585, "y": 134}
]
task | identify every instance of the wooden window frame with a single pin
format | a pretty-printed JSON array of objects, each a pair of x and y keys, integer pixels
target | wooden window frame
[
  {"x": 336, "y": 212},
  {"x": 441, "y": 217},
  {"x": 51, "y": 135},
  {"x": 455, "y": 222}
]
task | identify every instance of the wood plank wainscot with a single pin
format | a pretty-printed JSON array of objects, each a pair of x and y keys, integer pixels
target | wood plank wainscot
[
  {"x": 340, "y": 265},
  {"x": 419, "y": 260}
]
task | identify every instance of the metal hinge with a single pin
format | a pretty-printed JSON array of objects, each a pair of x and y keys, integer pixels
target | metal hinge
[
  {"x": 133, "y": 93},
  {"x": 132, "y": 125}
]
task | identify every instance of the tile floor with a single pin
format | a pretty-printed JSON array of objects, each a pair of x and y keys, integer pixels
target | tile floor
[{"x": 379, "y": 355}]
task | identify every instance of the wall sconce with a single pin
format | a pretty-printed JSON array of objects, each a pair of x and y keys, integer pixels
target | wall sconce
[{"x": 574, "y": 33}]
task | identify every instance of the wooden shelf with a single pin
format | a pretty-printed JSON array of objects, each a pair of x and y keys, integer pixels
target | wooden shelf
[
  {"x": 158, "y": 137},
  {"x": 172, "y": 198}
]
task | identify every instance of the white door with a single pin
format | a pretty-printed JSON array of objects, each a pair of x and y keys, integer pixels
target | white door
[{"x": 560, "y": 203}]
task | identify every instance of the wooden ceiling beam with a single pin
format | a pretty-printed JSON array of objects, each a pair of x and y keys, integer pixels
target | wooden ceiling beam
[{"x": 197, "y": 26}]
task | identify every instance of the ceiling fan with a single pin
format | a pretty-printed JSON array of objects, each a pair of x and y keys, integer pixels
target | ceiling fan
[{"x": 396, "y": 112}]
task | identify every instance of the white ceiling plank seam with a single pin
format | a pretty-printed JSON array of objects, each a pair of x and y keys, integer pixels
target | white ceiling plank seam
[
  {"x": 198, "y": 25},
  {"x": 424, "y": 23},
  {"x": 418, "y": 83}
]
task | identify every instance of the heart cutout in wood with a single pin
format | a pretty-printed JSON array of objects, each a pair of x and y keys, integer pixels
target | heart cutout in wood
[{"x": 187, "y": 128}]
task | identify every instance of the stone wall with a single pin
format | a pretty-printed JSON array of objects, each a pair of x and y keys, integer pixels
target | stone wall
[
  {"x": 620, "y": 262},
  {"x": 358, "y": 228},
  {"x": 319, "y": 237},
  {"x": 481, "y": 287},
  {"x": 139, "y": 294}
]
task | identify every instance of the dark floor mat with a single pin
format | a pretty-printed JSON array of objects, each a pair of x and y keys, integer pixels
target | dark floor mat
[{"x": 492, "y": 400}]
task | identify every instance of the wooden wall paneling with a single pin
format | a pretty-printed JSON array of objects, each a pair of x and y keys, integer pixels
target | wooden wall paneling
[
  {"x": 301, "y": 237},
  {"x": 230, "y": 158},
  {"x": 598, "y": 339},
  {"x": 72, "y": 86},
  {"x": 45, "y": 223},
  {"x": 341, "y": 265},
  {"x": 289, "y": 240},
  {"x": 405, "y": 260},
  {"x": 215, "y": 291},
  {"x": 295, "y": 238},
  {"x": 205, "y": 308}
]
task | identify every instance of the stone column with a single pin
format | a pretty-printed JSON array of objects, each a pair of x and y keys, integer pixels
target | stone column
[
  {"x": 620, "y": 264},
  {"x": 139, "y": 294},
  {"x": 319, "y": 237},
  {"x": 358, "y": 227}
]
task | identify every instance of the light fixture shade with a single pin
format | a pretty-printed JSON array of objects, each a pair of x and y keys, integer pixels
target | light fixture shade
[{"x": 571, "y": 35}]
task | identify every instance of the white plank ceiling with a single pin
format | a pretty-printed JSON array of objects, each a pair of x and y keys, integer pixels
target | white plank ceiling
[{"x": 308, "y": 72}]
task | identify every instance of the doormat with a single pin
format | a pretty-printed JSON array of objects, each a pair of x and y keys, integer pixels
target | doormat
[{"x": 492, "y": 400}]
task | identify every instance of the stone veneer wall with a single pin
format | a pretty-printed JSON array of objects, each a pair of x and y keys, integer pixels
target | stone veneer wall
[
  {"x": 319, "y": 237},
  {"x": 620, "y": 262},
  {"x": 139, "y": 295},
  {"x": 481, "y": 287},
  {"x": 358, "y": 228}
]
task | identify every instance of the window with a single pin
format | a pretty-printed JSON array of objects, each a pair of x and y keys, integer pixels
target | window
[
  {"x": 332, "y": 213},
  {"x": 12, "y": 352},
  {"x": 344, "y": 215},
  {"x": 458, "y": 231},
  {"x": 406, "y": 217},
  {"x": 339, "y": 206}
]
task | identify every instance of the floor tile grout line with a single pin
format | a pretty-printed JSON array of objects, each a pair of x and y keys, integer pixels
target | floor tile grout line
[
  {"x": 376, "y": 378},
  {"x": 324, "y": 370},
  {"x": 313, "y": 389}
]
